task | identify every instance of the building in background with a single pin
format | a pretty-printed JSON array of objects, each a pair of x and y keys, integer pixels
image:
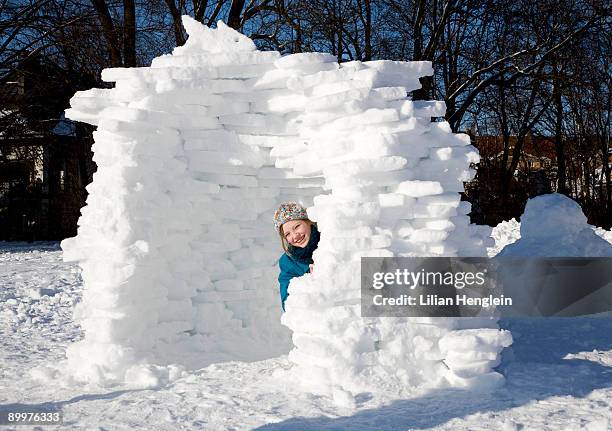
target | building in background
[{"x": 45, "y": 160}]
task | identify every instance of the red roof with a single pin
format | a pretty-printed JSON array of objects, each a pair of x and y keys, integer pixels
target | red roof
[{"x": 538, "y": 146}]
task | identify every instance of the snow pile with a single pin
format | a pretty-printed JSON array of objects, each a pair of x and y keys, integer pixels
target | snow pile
[
  {"x": 176, "y": 241},
  {"x": 603, "y": 233},
  {"x": 554, "y": 225},
  {"x": 506, "y": 232}
]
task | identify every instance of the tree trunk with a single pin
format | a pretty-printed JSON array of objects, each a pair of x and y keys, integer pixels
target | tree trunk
[
  {"x": 559, "y": 153},
  {"x": 368, "y": 31},
  {"x": 509, "y": 173},
  {"x": 607, "y": 195},
  {"x": 176, "y": 21},
  {"x": 417, "y": 30},
  {"x": 129, "y": 33},
  {"x": 504, "y": 179},
  {"x": 109, "y": 31},
  {"x": 233, "y": 19},
  {"x": 199, "y": 9}
]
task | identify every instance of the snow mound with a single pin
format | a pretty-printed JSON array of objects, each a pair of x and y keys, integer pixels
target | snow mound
[{"x": 554, "y": 225}]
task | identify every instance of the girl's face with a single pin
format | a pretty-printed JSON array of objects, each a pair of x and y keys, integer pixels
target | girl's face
[{"x": 297, "y": 232}]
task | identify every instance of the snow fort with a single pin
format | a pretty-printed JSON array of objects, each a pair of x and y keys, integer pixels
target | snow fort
[{"x": 176, "y": 243}]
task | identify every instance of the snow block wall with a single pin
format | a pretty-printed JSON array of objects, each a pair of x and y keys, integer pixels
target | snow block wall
[
  {"x": 176, "y": 243},
  {"x": 392, "y": 178}
]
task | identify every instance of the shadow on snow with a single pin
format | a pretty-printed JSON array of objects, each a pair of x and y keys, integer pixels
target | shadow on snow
[{"x": 535, "y": 369}]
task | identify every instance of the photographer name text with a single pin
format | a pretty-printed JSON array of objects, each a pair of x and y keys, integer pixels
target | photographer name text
[{"x": 436, "y": 300}]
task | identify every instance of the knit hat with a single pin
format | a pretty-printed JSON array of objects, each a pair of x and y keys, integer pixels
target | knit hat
[{"x": 287, "y": 212}]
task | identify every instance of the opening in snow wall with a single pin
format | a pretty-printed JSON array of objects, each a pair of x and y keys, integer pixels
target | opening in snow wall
[{"x": 176, "y": 243}]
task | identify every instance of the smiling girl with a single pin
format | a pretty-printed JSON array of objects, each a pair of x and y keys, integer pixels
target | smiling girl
[{"x": 299, "y": 238}]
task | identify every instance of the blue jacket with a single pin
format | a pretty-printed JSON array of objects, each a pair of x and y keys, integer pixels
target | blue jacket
[{"x": 296, "y": 263}]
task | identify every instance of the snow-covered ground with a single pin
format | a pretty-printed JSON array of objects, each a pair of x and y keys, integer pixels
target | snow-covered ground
[{"x": 559, "y": 374}]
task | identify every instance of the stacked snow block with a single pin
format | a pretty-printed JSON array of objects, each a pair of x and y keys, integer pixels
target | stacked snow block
[
  {"x": 176, "y": 243},
  {"x": 394, "y": 178}
]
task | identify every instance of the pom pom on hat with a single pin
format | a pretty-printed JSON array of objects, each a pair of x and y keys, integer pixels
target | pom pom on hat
[{"x": 287, "y": 212}]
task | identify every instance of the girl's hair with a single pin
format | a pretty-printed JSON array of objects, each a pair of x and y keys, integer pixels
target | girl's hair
[{"x": 286, "y": 246}]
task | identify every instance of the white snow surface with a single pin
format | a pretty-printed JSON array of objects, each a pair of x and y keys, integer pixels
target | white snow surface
[
  {"x": 558, "y": 375},
  {"x": 505, "y": 233}
]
